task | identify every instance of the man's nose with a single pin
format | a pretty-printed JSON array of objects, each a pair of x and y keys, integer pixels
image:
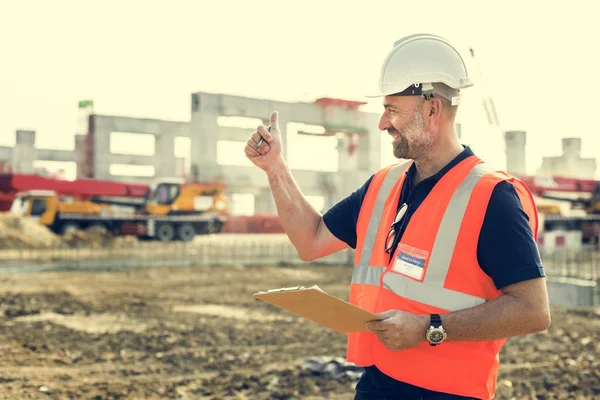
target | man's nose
[{"x": 384, "y": 123}]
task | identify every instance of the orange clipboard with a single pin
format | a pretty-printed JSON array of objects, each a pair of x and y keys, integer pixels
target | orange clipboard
[{"x": 314, "y": 304}]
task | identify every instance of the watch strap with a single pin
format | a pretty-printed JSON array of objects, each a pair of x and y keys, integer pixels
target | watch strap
[{"x": 435, "y": 320}]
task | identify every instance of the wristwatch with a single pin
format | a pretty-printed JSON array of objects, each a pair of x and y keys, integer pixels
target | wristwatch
[{"x": 436, "y": 333}]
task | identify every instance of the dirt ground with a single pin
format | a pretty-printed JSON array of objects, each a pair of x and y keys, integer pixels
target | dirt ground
[{"x": 199, "y": 334}]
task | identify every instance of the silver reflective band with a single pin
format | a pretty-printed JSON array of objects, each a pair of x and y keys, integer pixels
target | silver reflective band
[
  {"x": 445, "y": 240},
  {"x": 435, "y": 296},
  {"x": 367, "y": 275},
  {"x": 384, "y": 191}
]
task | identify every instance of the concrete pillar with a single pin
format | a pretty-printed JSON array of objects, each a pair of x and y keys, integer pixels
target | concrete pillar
[
  {"x": 204, "y": 132},
  {"x": 571, "y": 147},
  {"x": 515, "y": 152},
  {"x": 24, "y": 153},
  {"x": 164, "y": 156},
  {"x": 80, "y": 155},
  {"x": 103, "y": 126}
]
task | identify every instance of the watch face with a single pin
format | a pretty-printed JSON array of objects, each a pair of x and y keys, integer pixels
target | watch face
[{"x": 436, "y": 336}]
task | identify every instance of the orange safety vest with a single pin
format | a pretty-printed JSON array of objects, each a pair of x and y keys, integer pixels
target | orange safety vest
[{"x": 441, "y": 236}]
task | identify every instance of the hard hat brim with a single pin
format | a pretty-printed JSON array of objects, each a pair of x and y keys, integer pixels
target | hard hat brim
[
  {"x": 391, "y": 90},
  {"x": 398, "y": 90}
]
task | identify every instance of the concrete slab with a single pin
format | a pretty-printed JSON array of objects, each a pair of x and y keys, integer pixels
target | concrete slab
[{"x": 570, "y": 292}]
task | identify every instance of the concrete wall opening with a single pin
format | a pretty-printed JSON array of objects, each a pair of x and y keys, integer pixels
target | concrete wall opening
[
  {"x": 310, "y": 151},
  {"x": 231, "y": 152},
  {"x": 138, "y": 144},
  {"x": 132, "y": 170},
  {"x": 57, "y": 169},
  {"x": 242, "y": 204},
  {"x": 183, "y": 154}
]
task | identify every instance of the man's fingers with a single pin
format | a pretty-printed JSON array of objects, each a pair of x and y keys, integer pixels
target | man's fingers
[
  {"x": 263, "y": 132},
  {"x": 384, "y": 323},
  {"x": 251, "y": 151},
  {"x": 259, "y": 139},
  {"x": 387, "y": 314},
  {"x": 254, "y": 147},
  {"x": 377, "y": 326}
]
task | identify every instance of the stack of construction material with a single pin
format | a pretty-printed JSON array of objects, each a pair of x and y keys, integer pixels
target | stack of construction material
[
  {"x": 95, "y": 237},
  {"x": 17, "y": 232}
]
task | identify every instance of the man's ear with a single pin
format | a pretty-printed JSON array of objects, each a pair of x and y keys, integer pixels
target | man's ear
[{"x": 435, "y": 107}]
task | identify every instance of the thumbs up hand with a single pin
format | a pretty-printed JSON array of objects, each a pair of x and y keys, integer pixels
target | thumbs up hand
[{"x": 264, "y": 146}]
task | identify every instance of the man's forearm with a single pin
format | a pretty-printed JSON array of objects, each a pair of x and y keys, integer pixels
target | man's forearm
[
  {"x": 298, "y": 218},
  {"x": 505, "y": 316}
]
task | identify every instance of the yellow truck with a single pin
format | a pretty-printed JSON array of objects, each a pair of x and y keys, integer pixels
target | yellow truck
[{"x": 171, "y": 211}]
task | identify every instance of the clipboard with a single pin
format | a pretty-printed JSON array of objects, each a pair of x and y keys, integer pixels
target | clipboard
[{"x": 314, "y": 304}]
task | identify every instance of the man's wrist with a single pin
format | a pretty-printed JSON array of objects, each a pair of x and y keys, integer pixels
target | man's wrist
[
  {"x": 423, "y": 328},
  {"x": 277, "y": 169}
]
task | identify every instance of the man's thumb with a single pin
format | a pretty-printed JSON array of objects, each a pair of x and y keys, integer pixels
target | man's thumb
[{"x": 273, "y": 120}]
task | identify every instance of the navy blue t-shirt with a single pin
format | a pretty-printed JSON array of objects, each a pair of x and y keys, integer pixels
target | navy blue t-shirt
[{"x": 506, "y": 251}]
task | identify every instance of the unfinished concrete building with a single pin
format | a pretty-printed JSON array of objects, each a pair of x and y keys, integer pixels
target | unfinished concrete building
[
  {"x": 354, "y": 134},
  {"x": 570, "y": 164},
  {"x": 210, "y": 147}
]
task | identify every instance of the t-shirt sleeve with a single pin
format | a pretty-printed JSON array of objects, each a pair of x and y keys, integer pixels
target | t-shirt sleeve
[
  {"x": 507, "y": 250},
  {"x": 342, "y": 217}
]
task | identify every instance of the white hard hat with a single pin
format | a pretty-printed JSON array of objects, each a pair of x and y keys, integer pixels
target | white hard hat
[{"x": 423, "y": 64}]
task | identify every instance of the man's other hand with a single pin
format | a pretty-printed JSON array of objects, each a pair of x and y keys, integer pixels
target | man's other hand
[{"x": 399, "y": 330}]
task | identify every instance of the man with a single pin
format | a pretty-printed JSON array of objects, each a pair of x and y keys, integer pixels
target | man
[{"x": 445, "y": 246}]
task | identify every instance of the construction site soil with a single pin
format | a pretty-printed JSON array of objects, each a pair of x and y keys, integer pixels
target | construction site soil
[
  {"x": 25, "y": 233},
  {"x": 198, "y": 333}
]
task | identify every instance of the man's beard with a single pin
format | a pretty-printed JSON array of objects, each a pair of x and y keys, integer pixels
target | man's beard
[{"x": 414, "y": 140}]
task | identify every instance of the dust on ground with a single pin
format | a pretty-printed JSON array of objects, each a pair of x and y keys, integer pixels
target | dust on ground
[
  {"x": 198, "y": 333},
  {"x": 18, "y": 232}
]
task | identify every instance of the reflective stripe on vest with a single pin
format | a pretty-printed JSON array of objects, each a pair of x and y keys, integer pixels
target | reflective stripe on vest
[
  {"x": 431, "y": 291},
  {"x": 386, "y": 187},
  {"x": 362, "y": 273}
]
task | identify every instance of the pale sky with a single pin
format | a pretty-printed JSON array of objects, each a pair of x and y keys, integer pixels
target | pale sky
[{"x": 144, "y": 58}]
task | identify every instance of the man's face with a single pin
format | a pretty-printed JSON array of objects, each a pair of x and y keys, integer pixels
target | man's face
[{"x": 403, "y": 119}]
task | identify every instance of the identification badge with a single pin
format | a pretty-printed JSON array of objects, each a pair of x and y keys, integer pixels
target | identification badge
[{"x": 410, "y": 261}]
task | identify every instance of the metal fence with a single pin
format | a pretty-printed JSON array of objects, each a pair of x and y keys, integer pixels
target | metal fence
[
  {"x": 581, "y": 263},
  {"x": 228, "y": 249},
  {"x": 214, "y": 250}
]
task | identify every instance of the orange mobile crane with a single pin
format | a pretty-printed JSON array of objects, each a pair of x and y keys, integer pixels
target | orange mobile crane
[{"x": 167, "y": 210}]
